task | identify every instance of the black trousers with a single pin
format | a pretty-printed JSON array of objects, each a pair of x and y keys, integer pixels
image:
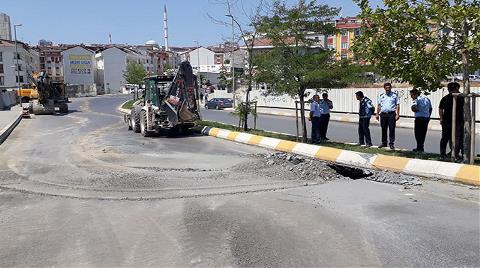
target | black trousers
[
  {"x": 421, "y": 127},
  {"x": 324, "y": 119},
  {"x": 315, "y": 129},
  {"x": 364, "y": 131},
  {"x": 388, "y": 123},
  {"x": 447, "y": 138}
]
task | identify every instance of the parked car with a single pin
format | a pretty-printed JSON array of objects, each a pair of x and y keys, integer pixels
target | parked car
[{"x": 219, "y": 103}]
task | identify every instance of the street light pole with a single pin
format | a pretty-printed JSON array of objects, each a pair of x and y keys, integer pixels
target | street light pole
[
  {"x": 198, "y": 61},
  {"x": 232, "y": 58},
  {"x": 16, "y": 54}
]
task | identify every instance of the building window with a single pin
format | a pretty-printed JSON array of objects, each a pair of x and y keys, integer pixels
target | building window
[
  {"x": 330, "y": 46},
  {"x": 344, "y": 45},
  {"x": 21, "y": 79},
  {"x": 2, "y": 81},
  {"x": 1, "y": 56},
  {"x": 344, "y": 33},
  {"x": 19, "y": 67},
  {"x": 1, "y": 68},
  {"x": 357, "y": 32}
]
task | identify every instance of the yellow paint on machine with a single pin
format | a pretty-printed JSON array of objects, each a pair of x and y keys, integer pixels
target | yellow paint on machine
[
  {"x": 255, "y": 140},
  {"x": 213, "y": 132},
  {"x": 232, "y": 136},
  {"x": 286, "y": 146},
  {"x": 328, "y": 154},
  {"x": 390, "y": 162},
  {"x": 468, "y": 174}
]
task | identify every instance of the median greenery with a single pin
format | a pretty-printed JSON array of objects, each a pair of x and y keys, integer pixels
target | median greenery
[
  {"x": 128, "y": 105},
  {"x": 343, "y": 146}
]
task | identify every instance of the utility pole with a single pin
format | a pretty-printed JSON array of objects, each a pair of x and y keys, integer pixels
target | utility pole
[
  {"x": 198, "y": 61},
  {"x": 17, "y": 56},
  {"x": 232, "y": 58}
]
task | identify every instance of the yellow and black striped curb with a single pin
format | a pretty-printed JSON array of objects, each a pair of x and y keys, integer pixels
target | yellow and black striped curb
[{"x": 467, "y": 174}]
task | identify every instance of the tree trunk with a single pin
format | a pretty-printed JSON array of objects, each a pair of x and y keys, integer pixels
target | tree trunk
[
  {"x": 301, "y": 95},
  {"x": 467, "y": 113},
  {"x": 247, "y": 103}
]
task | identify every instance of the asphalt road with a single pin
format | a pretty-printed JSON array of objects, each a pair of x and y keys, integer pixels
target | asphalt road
[
  {"x": 81, "y": 190},
  {"x": 337, "y": 131}
]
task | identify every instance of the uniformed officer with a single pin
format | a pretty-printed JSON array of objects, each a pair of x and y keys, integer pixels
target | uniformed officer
[
  {"x": 325, "y": 105},
  {"x": 315, "y": 118},
  {"x": 365, "y": 112},
  {"x": 422, "y": 107},
  {"x": 388, "y": 112}
]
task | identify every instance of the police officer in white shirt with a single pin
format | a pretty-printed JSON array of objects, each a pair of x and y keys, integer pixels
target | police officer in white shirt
[
  {"x": 325, "y": 106},
  {"x": 422, "y": 107},
  {"x": 388, "y": 112}
]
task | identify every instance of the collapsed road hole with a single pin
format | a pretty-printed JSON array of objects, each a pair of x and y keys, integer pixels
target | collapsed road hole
[{"x": 350, "y": 172}]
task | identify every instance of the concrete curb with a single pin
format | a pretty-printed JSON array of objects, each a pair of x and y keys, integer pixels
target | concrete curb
[
  {"x": 5, "y": 132},
  {"x": 467, "y": 174},
  {"x": 348, "y": 119}
]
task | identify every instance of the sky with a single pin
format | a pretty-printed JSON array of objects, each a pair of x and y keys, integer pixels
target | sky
[{"x": 129, "y": 21}]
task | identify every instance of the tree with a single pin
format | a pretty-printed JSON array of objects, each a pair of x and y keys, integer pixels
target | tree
[
  {"x": 134, "y": 74},
  {"x": 422, "y": 42},
  {"x": 248, "y": 35},
  {"x": 296, "y": 62}
]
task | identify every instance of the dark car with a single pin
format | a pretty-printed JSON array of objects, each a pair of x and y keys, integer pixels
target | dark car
[{"x": 219, "y": 103}]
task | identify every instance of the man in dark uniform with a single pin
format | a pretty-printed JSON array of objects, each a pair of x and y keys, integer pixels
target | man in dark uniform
[
  {"x": 446, "y": 111},
  {"x": 388, "y": 112},
  {"x": 365, "y": 113}
]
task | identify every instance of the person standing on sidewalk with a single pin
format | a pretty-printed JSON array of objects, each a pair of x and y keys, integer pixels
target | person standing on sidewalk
[
  {"x": 445, "y": 111},
  {"x": 315, "y": 118},
  {"x": 422, "y": 107},
  {"x": 388, "y": 112},
  {"x": 365, "y": 113},
  {"x": 325, "y": 106}
]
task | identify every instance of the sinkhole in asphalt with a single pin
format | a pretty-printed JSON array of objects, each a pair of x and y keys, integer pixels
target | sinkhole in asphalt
[{"x": 350, "y": 172}]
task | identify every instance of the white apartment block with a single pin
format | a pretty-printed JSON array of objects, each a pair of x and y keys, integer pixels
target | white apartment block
[
  {"x": 112, "y": 64},
  {"x": 28, "y": 64}
]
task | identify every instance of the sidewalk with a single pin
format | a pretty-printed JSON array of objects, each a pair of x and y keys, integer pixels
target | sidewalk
[
  {"x": 9, "y": 119},
  {"x": 404, "y": 122}
]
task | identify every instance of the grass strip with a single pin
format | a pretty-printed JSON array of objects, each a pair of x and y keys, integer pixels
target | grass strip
[{"x": 128, "y": 105}]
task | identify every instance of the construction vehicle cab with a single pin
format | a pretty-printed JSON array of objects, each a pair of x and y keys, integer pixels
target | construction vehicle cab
[{"x": 169, "y": 103}]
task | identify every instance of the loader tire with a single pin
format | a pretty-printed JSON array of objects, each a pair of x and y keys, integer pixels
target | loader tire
[
  {"x": 143, "y": 124},
  {"x": 135, "y": 119},
  {"x": 63, "y": 108}
]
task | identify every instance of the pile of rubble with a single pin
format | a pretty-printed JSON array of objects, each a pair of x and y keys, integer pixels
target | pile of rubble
[{"x": 306, "y": 168}]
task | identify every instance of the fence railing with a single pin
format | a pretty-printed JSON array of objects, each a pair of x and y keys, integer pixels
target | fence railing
[{"x": 343, "y": 99}]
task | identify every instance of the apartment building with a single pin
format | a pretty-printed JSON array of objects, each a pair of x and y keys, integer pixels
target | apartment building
[
  {"x": 28, "y": 64},
  {"x": 51, "y": 61},
  {"x": 348, "y": 29},
  {"x": 111, "y": 64}
]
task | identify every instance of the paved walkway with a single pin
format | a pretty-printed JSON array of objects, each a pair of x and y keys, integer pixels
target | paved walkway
[
  {"x": 405, "y": 122},
  {"x": 8, "y": 120}
]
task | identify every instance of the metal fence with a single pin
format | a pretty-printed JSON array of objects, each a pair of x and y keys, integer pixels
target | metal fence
[{"x": 343, "y": 99}]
